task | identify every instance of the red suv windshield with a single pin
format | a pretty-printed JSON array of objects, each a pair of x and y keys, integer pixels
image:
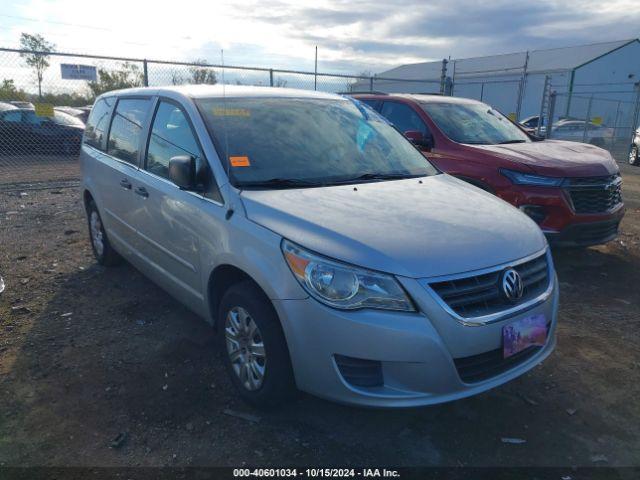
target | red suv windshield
[{"x": 473, "y": 123}]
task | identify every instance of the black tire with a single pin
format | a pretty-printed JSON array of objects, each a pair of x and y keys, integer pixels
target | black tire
[
  {"x": 633, "y": 156},
  {"x": 105, "y": 255},
  {"x": 277, "y": 384}
]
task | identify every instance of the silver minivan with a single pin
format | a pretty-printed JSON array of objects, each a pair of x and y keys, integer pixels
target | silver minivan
[{"x": 326, "y": 252}]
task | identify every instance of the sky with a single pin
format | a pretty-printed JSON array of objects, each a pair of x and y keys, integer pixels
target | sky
[{"x": 352, "y": 36}]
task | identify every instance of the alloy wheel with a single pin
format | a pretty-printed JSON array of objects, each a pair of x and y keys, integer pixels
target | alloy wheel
[
  {"x": 97, "y": 238},
  {"x": 245, "y": 348},
  {"x": 633, "y": 155}
]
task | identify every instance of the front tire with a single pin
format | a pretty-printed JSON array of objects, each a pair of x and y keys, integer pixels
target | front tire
[
  {"x": 102, "y": 249},
  {"x": 253, "y": 346},
  {"x": 633, "y": 155}
]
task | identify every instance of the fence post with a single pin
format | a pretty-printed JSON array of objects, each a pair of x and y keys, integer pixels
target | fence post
[
  {"x": 481, "y": 91},
  {"x": 615, "y": 127},
  {"x": 443, "y": 76},
  {"x": 587, "y": 119},
  {"x": 550, "y": 113},
  {"x": 371, "y": 84},
  {"x": 271, "y": 77},
  {"x": 521, "y": 88},
  {"x": 546, "y": 89},
  {"x": 453, "y": 79},
  {"x": 145, "y": 72}
]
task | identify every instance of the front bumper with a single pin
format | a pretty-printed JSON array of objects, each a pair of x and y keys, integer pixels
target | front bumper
[
  {"x": 415, "y": 351},
  {"x": 561, "y": 224},
  {"x": 585, "y": 234}
]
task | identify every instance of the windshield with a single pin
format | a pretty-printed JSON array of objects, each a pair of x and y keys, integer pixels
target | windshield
[
  {"x": 474, "y": 123},
  {"x": 281, "y": 141},
  {"x": 63, "y": 118}
]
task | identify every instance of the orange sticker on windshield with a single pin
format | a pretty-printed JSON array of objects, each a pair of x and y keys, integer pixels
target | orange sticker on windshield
[{"x": 239, "y": 161}]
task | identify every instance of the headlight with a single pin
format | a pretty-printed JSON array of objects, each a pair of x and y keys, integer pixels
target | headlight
[
  {"x": 521, "y": 178},
  {"x": 343, "y": 286}
]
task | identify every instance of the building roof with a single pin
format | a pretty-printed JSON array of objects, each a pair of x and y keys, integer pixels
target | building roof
[{"x": 553, "y": 59}]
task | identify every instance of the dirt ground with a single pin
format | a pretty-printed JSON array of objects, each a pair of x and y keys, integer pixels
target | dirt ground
[{"x": 88, "y": 354}]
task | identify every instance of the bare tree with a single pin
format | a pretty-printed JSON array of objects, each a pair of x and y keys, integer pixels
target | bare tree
[
  {"x": 201, "y": 74},
  {"x": 37, "y": 57},
  {"x": 280, "y": 82}
]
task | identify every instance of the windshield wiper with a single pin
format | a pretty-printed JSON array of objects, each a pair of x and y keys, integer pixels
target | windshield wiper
[
  {"x": 379, "y": 176},
  {"x": 511, "y": 141},
  {"x": 278, "y": 183}
]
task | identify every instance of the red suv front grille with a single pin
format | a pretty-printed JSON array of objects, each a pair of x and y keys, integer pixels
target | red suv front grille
[{"x": 595, "y": 194}]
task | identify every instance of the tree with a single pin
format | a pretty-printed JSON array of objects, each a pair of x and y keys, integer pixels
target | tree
[
  {"x": 8, "y": 91},
  {"x": 280, "y": 82},
  {"x": 200, "y": 75},
  {"x": 37, "y": 57},
  {"x": 126, "y": 76}
]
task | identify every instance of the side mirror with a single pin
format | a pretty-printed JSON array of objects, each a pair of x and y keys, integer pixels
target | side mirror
[
  {"x": 182, "y": 171},
  {"x": 424, "y": 142}
]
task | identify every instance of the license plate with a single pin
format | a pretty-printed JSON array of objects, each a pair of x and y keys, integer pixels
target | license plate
[{"x": 524, "y": 333}]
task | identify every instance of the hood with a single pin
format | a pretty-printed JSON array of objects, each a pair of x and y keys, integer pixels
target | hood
[
  {"x": 438, "y": 226},
  {"x": 557, "y": 158}
]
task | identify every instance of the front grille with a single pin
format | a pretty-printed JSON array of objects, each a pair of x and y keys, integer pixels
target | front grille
[
  {"x": 481, "y": 295},
  {"x": 360, "y": 372},
  {"x": 595, "y": 194},
  {"x": 489, "y": 364}
]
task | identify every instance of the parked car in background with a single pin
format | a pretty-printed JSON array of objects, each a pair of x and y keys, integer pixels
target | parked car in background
[
  {"x": 530, "y": 124},
  {"x": 24, "y": 132},
  {"x": 574, "y": 130},
  {"x": 7, "y": 106},
  {"x": 634, "y": 155},
  {"x": 81, "y": 113},
  {"x": 327, "y": 252},
  {"x": 571, "y": 190},
  {"x": 21, "y": 104}
]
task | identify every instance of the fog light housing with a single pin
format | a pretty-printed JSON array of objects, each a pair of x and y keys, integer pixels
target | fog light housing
[{"x": 535, "y": 212}]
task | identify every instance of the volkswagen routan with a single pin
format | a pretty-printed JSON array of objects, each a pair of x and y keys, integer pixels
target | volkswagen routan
[{"x": 327, "y": 253}]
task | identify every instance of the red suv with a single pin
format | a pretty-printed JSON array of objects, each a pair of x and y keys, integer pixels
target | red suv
[{"x": 571, "y": 190}]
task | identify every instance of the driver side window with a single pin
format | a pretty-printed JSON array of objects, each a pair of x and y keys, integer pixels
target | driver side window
[
  {"x": 171, "y": 135},
  {"x": 403, "y": 117}
]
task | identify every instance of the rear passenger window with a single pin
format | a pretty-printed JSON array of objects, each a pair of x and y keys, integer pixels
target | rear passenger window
[
  {"x": 98, "y": 122},
  {"x": 403, "y": 117},
  {"x": 126, "y": 128},
  {"x": 171, "y": 135}
]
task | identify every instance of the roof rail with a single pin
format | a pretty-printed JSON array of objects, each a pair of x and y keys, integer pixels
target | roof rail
[{"x": 372, "y": 92}]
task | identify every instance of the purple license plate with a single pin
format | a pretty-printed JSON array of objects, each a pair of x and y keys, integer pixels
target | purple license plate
[{"x": 524, "y": 333}]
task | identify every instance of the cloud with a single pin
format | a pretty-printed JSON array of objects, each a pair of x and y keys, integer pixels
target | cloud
[{"x": 351, "y": 35}]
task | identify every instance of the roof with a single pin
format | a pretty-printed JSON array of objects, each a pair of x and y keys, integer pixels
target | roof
[
  {"x": 553, "y": 59},
  {"x": 210, "y": 91},
  {"x": 419, "y": 97}
]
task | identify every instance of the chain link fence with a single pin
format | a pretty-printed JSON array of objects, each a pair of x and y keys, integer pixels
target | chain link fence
[
  {"x": 604, "y": 122},
  {"x": 45, "y": 98}
]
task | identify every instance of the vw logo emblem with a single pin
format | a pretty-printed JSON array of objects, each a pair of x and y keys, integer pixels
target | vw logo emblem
[{"x": 512, "y": 287}]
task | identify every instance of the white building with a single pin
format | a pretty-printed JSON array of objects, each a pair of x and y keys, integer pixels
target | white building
[{"x": 601, "y": 78}]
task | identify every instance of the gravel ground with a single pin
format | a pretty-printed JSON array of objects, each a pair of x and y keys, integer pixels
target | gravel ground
[{"x": 99, "y": 367}]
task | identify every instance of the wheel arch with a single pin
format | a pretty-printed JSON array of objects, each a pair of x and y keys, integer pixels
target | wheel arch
[{"x": 220, "y": 279}]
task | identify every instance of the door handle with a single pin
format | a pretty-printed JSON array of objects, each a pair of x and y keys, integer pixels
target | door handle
[
  {"x": 125, "y": 184},
  {"x": 142, "y": 192}
]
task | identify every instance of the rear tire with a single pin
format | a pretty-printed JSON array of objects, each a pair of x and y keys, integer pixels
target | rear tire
[
  {"x": 102, "y": 249},
  {"x": 253, "y": 346},
  {"x": 633, "y": 155}
]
